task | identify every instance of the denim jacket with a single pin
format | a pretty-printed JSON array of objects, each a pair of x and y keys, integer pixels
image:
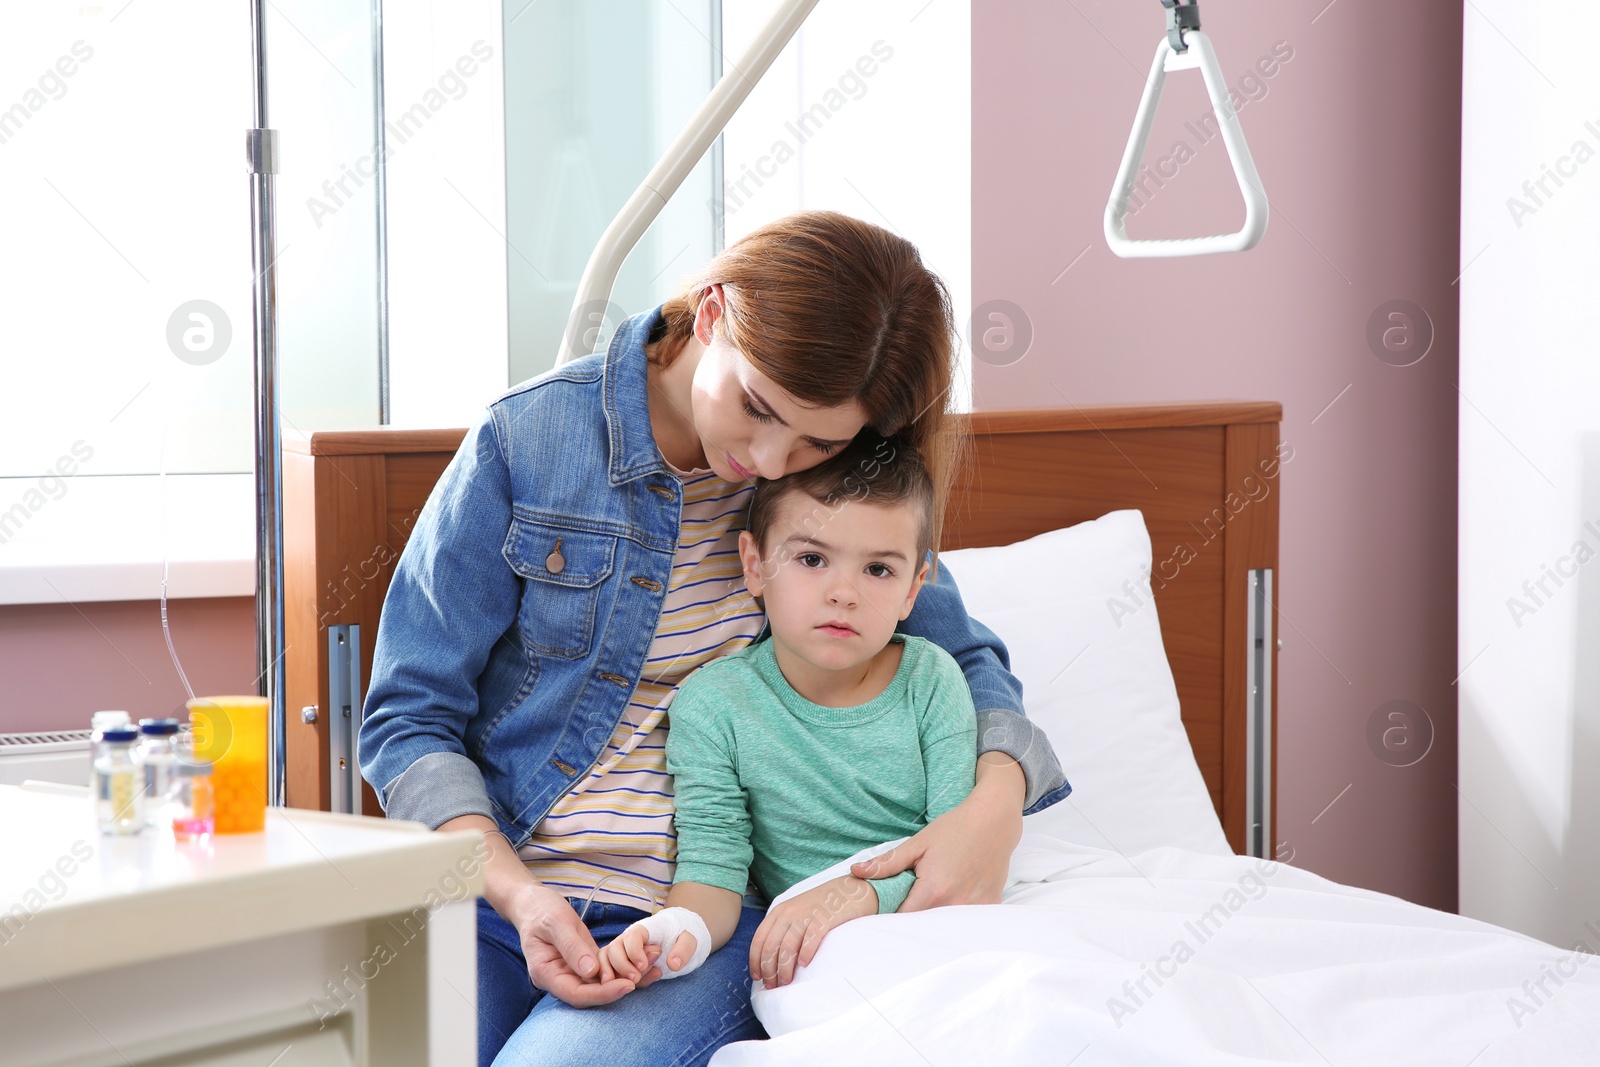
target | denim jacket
[{"x": 502, "y": 665}]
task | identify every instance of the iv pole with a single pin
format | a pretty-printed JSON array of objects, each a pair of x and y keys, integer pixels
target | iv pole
[{"x": 261, "y": 148}]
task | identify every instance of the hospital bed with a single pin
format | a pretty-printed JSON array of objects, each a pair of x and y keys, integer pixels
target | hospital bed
[
  {"x": 1128, "y": 556},
  {"x": 352, "y": 496}
]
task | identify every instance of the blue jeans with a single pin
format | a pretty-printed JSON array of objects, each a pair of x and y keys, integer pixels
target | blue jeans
[{"x": 672, "y": 1023}]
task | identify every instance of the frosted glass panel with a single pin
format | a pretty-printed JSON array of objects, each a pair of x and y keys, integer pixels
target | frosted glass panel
[
  {"x": 594, "y": 94},
  {"x": 446, "y": 250},
  {"x": 320, "y": 99}
]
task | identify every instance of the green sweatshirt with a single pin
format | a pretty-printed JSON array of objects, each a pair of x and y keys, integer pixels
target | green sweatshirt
[{"x": 768, "y": 783}]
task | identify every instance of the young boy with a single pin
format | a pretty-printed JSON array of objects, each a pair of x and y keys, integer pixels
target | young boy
[{"x": 836, "y": 734}]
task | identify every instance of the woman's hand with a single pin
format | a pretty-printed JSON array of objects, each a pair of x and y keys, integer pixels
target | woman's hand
[
  {"x": 560, "y": 951},
  {"x": 962, "y": 856},
  {"x": 792, "y": 930}
]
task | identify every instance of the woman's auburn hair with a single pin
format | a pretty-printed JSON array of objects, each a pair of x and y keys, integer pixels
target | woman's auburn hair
[{"x": 834, "y": 309}]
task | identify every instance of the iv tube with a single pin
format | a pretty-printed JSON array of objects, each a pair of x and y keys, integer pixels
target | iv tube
[
  {"x": 604, "y": 879},
  {"x": 166, "y": 631}
]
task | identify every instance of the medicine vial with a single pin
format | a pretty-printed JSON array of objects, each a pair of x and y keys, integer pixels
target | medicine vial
[
  {"x": 98, "y": 724},
  {"x": 155, "y": 754},
  {"x": 118, "y": 783}
]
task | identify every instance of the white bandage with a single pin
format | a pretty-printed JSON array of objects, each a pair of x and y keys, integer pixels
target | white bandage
[{"x": 663, "y": 929}]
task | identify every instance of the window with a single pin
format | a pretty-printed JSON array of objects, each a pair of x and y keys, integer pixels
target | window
[{"x": 513, "y": 134}]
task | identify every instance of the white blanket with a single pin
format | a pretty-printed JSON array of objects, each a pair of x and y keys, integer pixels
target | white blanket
[{"x": 1174, "y": 957}]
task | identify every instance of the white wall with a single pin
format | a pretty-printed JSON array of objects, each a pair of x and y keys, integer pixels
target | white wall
[{"x": 1530, "y": 471}]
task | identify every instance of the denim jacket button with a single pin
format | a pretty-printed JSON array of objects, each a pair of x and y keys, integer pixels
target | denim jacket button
[{"x": 555, "y": 562}]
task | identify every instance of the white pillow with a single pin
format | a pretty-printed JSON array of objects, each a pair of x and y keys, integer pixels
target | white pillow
[{"x": 1095, "y": 676}]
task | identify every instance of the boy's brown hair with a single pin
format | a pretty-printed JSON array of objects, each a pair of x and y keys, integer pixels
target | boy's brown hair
[{"x": 870, "y": 470}]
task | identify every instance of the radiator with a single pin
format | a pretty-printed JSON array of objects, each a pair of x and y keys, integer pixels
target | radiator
[{"x": 55, "y": 756}]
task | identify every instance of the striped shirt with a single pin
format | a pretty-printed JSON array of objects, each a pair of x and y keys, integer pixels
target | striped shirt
[{"x": 617, "y": 824}]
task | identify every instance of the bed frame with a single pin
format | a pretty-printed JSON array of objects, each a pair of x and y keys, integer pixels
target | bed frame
[{"x": 1205, "y": 477}]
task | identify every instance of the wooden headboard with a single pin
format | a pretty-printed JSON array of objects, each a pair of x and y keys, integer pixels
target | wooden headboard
[{"x": 1204, "y": 476}]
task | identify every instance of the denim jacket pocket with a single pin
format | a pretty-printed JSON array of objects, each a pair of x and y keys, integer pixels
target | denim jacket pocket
[{"x": 563, "y": 569}]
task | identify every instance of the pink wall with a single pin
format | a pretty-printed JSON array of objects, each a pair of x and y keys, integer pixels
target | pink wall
[
  {"x": 1357, "y": 138},
  {"x": 59, "y": 663}
]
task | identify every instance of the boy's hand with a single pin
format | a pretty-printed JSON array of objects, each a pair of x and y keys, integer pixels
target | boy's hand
[
  {"x": 793, "y": 930},
  {"x": 630, "y": 956},
  {"x": 627, "y": 957}
]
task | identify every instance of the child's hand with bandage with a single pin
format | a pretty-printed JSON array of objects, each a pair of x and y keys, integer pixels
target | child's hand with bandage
[{"x": 680, "y": 933}]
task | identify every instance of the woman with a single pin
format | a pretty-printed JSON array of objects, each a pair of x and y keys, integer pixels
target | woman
[{"x": 578, "y": 559}]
